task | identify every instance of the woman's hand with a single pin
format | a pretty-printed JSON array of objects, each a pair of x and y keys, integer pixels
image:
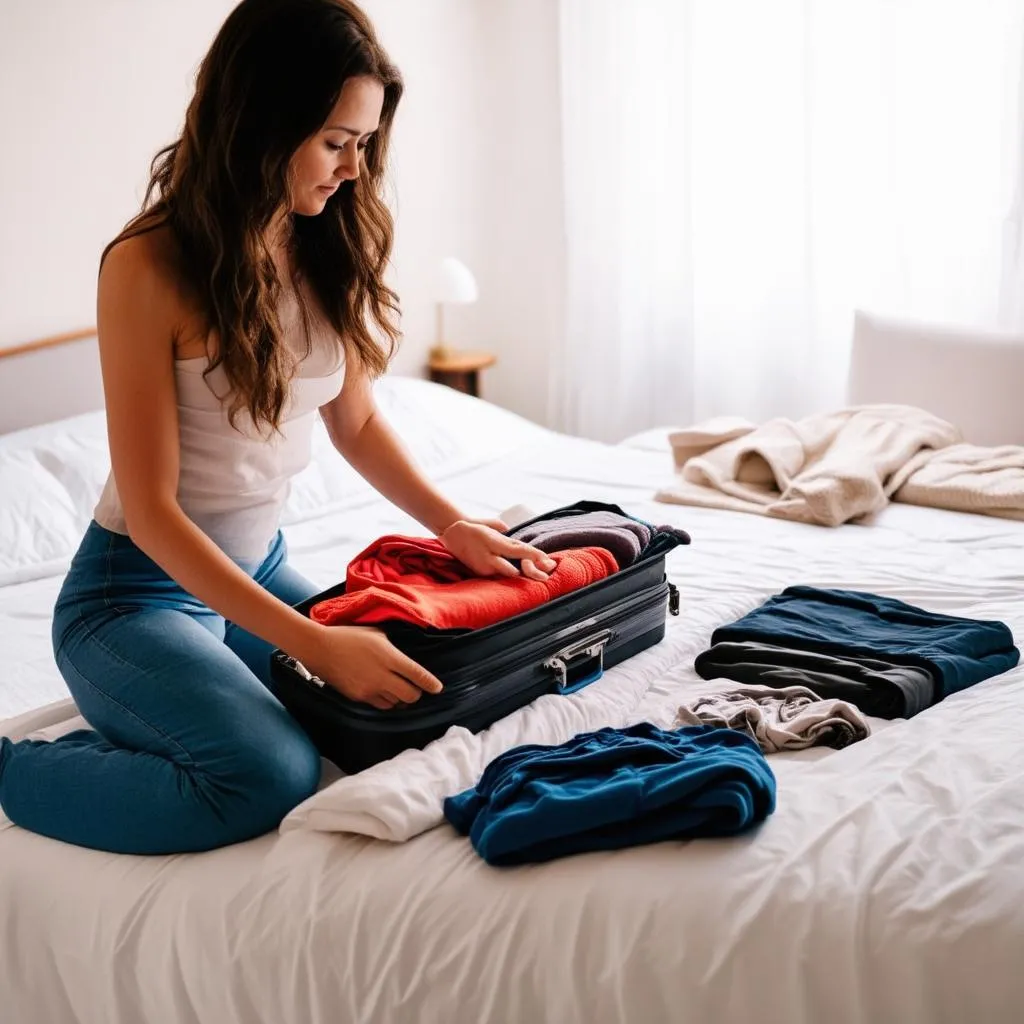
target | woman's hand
[
  {"x": 363, "y": 665},
  {"x": 481, "y": 545}
]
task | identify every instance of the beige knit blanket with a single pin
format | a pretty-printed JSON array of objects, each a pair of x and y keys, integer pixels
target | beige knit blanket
[
  {"x": 966, "y": 478},
  {"x": 825, "y": 469}
]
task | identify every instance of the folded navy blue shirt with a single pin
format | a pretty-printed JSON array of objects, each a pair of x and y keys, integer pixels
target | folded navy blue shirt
[
  {"x": 613, "y": 788},
  {"x": 959, "y": 652}
]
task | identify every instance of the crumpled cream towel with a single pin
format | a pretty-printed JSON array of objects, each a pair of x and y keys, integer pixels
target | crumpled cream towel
[
  {"x": 825, "y": 469},
  {"x": 779, "y": 718},
  {"x": 966, "y": 478}
]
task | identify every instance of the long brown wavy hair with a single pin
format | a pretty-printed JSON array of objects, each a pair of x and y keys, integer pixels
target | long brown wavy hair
[{"x": 268, "y": 83}]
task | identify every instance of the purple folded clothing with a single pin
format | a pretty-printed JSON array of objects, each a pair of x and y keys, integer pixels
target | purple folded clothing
[{"x": 623, "y": 537}]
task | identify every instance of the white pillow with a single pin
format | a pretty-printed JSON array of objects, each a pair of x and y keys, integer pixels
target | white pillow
[
  {"x": 50, "y": 479},
  {"x": 445, "y": 431},
  {"x": 444, "y": 428}
]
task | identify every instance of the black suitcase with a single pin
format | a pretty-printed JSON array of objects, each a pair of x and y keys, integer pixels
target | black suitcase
[{"x": 488, "y": 673}]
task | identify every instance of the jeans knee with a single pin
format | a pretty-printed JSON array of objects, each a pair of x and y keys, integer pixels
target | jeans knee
[
  {"x": 297, "y": 772},
  {"x": 284, "y": 776}
]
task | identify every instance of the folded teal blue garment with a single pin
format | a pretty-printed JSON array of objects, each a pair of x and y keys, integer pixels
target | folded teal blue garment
[
  {"x": 958, "y": 652},
  {"x": 613, "y": 788}
]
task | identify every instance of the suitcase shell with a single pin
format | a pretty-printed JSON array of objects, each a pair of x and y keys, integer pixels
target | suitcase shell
[{"x": 488, "y": 673}]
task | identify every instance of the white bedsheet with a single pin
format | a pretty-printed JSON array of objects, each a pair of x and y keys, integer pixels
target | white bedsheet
[{"x": 886, "y": 887}]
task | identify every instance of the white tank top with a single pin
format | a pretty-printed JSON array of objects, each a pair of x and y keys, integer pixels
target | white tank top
[{"x": 232, "y": 483}]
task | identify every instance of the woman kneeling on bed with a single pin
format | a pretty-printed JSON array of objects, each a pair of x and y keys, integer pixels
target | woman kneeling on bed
[{"x": 245, "y": 297}]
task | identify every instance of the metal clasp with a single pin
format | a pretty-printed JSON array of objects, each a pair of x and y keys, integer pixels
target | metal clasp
[
  {"x": 591, "y": 647},
  {"x": 306, "y": 674}
]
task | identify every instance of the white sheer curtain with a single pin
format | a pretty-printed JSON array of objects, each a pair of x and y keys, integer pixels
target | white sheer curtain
[{"x": 740, "y": 175}]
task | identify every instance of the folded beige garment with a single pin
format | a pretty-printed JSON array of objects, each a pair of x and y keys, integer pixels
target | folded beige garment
[
  {"x": 966, "y": 478},
  {"x": 825, "y": 469}
]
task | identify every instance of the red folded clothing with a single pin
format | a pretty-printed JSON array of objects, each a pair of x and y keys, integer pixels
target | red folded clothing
[{"x": 418, "y": 580}]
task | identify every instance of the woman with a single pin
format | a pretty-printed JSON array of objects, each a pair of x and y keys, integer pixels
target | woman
[{"x": 244, "y": 297}]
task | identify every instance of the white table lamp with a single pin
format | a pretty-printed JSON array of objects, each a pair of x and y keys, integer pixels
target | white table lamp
[{"x": 455, "y": 286}]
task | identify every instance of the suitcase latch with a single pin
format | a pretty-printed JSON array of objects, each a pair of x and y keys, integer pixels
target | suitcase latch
[
  {"x": 574, "y": 666},
  {"x": 305, "y": 673}
]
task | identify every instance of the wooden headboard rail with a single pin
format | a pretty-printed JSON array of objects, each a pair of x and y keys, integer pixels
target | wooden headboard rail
[{"x": 51, "y": 342}]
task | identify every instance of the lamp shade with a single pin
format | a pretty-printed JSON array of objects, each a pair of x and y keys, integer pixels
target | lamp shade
[{"x": 455, "y": 282}]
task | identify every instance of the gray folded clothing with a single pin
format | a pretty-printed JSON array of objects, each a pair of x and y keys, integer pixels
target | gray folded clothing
[
  {"x": 787, "y": 718},
  {"x": 880, "y": 688},
  {"x": 625, "y": 538}
]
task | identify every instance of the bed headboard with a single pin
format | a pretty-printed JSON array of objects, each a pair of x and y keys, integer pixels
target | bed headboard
[
  {"x": 46, "y": 380},
  {"x": 973, "y": 379}
]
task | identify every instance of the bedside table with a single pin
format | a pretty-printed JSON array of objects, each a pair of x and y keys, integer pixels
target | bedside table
[{"x": 461, "y": 370}]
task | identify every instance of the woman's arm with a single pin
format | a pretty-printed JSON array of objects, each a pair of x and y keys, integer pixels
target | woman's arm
[
  {"x": 140, "y": 312},
  {"x": 366, "y": 441}
]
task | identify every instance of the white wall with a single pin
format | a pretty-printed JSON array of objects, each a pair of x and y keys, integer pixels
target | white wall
[
  {"x": 90, "y": 89},
  {"x": 522, "y": 257},
  {"x": 436, "y": 186}
]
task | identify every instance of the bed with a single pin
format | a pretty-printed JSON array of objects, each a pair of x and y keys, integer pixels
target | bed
[{"x": 887, "y": 885}]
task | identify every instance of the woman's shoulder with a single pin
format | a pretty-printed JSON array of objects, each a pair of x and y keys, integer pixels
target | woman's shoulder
[
  {"x": 146, "y": 257},
  {"x": 146, "y": 265}
]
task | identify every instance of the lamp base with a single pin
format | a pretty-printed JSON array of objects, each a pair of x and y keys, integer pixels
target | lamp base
[{"x": 441, "y": 351}]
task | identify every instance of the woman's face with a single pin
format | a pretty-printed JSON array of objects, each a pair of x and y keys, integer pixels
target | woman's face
[{"x": 335, "y": 153}]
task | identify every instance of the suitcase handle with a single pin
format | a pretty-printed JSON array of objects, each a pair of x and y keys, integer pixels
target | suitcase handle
[{"x": 562, "y": 663}]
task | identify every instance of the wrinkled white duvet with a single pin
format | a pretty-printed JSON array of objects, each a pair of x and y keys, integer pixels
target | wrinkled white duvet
[{"x": 887, "y": 886}]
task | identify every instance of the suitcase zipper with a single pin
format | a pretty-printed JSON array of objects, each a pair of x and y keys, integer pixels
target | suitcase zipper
[
  {"x": 615, "y": 616},
  {"x": 618, "y": 612}
]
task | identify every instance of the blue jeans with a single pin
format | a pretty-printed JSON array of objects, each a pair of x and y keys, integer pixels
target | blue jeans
[{"x": 189, "y": 748}]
